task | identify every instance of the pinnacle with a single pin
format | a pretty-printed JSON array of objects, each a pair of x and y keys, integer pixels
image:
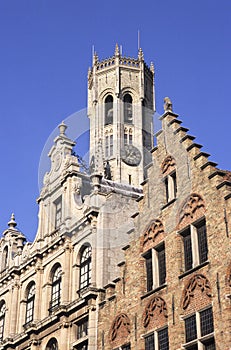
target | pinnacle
[
  {"x": 62, "y": 128},
  {"x": 12, "y": 223}
]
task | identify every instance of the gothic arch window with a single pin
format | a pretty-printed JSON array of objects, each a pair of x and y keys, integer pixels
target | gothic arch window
[
  {"x": 30, "y": 303},
  {"x": 2, "y": 319},
  {"x": 52, "y": 344},
  {"x": 56, "y": 283},
  {"x": 109, "y": 110},
  {"x": 5, "y": 258},
  {"x": 128, "y": 113},
  {"x": 85, "y": 267}
]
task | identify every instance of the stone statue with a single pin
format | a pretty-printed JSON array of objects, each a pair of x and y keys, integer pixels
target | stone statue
[
  {"x": 167, "y": 104},
  {"x": 107, "y": 171}
]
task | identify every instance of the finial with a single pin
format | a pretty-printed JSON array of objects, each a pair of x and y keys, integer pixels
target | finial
[
  {"x": 12, "y": 223},
  {"x": 167, "y": 104},
  {"x": 117, "y": 51},
  {"x": 62, "y": 128},
  {"x": 152, "y": 69},
  {"x": 140, "y": 55}
]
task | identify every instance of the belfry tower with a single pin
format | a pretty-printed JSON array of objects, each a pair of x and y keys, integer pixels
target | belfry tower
[{"x": 121, "y": 103}]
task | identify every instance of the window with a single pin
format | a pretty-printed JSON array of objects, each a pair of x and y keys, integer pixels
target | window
[
  {"x": 85, "y": 267},
  {"x": 109, "y": 110},
  {"x": 4, "y": 258},
  {"x": 199, "y": 331},
  {"x": 30, "y": 304},
  {"x": 52, "y": 344},
  {"x": 195, "y": 245},
  {"x": 58, "y": 212},
  {"x": 56, "y": 288},
  {"x": 170, "y": 187},
  {"x": 2, "y": 319},
  {"x": 109, "y": 145},
  {"x": 155, "y": 267},
  {"x": 157, "y": 340},
  {"x": 127, "y": 108},
  {"x": 124, "y": 347},
  {"x": 82, "y": 346},
  {"x": 127, "y": 137},
  {"x": 82, "y": 328}
]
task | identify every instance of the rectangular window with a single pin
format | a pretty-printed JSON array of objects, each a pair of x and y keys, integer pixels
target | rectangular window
[
  {"x": 111, "y": 145},
  {"x": 159, "y": 339},
  {"x": 106, "y": 146},
  {"x": 125, "y": 138},
  {"x": 149, "y": 273},
  {"x": 82, "y": 328},
  {"x": 149, "y": 342},
  {"x": 82, "y": 346},
  {"x": 170, "y": 187},
  {"x": 202, "y": 242},
  {"x": 155, "y": 267},
  {"x": 199, "y": 330},
  {"x": 130, "y": 139},
  {"x": 161, "y": 264},
  {"x": 206, "y": 321},
  {"x": 195, "y": 245},
  {"x": 188, "y": 261},
  {"x": 58, "y": 212},
  {"x": 190, "y": 328},
  {"x": 163, "y": 339}
]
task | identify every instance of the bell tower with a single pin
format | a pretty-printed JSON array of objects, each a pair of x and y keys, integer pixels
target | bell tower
[{"x": 121, "y": 103}]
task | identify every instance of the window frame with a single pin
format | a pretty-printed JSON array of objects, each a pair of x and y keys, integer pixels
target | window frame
[
  {"x": 85, "y": 268},
  {"x": 108, "y": 105},
  {"x": 30, "y": 303},
  {"x": 200, "y": 339},
  {"x": 197, "y": 254},
  {"x": 58, "y": 212},
  {"x": 170, "y": 183},
  {"x": 154, "y": 342},
  {"x": 155, "y": 274},
  {"x": 82, "y": 328},
  {"x": 56, "y": 288}
]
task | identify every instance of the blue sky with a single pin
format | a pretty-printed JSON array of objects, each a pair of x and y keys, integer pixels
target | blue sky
[{"x": 45, "y": 54}]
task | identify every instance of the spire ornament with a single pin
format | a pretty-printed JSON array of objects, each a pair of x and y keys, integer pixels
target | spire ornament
[
  {"x": 62, "y": 128},
  {"x": 12, "y": 223},
  {"x": 167, "y": 104}
]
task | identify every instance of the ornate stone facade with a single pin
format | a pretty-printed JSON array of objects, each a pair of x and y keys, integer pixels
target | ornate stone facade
[{"x": 117, "y": 264}]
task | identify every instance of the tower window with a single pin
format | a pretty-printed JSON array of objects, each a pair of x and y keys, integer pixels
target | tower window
[
  {"x": 82, "y": 328},
  {"x": 109, "y": 110},
  {"x": 58, "y": 212},
  {"x": 85, "y": 268},
  {"x": 30, "y": 304},
  {"x": 5, "y": 258},
  {"x": 128, "y": 117},
  {"x": 2, "y": 319},
  {"x": 195, "y": 245}
]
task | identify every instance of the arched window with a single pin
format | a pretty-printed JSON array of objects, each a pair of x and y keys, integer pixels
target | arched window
[
  {"x": 30, "y": 303},
  {"x": 108, "y": 110},
  {"x": 127, "y": 108},
  {"x": 5, "y": 258},
  {"x": 56, "y": 288},
  {"x": 85, "y": 267},
  {"x": 52, "y": 344},
  {"x": 2, "y": 319}
]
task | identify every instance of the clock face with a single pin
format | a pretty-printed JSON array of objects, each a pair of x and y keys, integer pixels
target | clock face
[{"x": 131, "y": 155}]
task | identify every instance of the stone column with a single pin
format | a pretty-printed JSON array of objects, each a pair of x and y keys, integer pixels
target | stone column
[
  {"x": 38, "y": 292},
  {"x": 66, "y": 282},
  {"x": 14, "y": 307}
]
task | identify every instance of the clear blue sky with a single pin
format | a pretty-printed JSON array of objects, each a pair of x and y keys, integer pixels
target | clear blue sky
[{"x": 45, "y": 54}]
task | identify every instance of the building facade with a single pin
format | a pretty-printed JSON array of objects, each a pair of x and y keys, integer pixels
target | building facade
[{"x": 134, "y": 255}]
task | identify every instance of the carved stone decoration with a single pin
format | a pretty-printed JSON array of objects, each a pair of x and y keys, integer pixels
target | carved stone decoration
[
  {"x": 153, "y": 230},
  {"x": 167, "y": 104},
  {"x": 193, "y": 208},
  {"x": 120, "y": 325},
  {"x": 200, "y": 282},
  {"x": 168, "y": 165},
  {"x": 155, "y": 308}
]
